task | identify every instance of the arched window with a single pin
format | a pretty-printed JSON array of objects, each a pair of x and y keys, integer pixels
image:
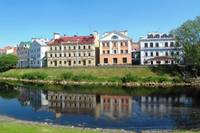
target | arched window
[{"x": 114, "y": 37}]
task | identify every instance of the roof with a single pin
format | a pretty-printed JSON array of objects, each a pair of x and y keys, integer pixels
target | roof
[
  {"x": 117, "y": 33},
  {"x": 159, "y": 58},
  {"x": 66, "y": 40}
]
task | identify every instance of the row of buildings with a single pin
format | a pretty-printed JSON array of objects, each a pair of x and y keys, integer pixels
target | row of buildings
[{"x": 112, "y": 48}]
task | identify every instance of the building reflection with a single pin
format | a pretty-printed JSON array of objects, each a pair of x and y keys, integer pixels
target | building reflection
[
  {"x": 116, "y": 107},
  {"x": 67, "y": 103},
  {"x": 159, "y": 106},
  {"x": 32, "y": 97}
]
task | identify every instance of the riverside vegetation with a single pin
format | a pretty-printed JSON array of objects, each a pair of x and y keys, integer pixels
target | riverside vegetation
[{"x": 99, "y": 74}]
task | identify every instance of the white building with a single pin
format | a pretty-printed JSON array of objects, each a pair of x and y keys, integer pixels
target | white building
[
  {"x": 37, "y": 52},
  {"x": 157, "y": 48},
  {"x": 22, "y": 53}
]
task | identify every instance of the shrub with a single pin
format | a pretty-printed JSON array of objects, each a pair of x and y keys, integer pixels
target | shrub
[
  {"x": 129, "y": 78},
  {"x": 155, "y": 79},
  {"x": 67, "y": 75},
  {"x": 35, "y": 76}
]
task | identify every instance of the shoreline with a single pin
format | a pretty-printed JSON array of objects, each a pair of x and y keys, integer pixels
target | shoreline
[
  {"x": 32, "y": 124},
  {"x": 114, "y": 84}
]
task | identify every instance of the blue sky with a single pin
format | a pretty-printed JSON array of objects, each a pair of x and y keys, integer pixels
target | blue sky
[{"x": 20, "y": 20}]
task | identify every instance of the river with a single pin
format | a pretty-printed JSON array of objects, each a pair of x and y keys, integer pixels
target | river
[{"x": 103, "y": 107}]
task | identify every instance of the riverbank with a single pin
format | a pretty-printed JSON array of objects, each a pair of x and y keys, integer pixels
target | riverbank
[
  {"x": 111, "y": 76},
  {"x": 10, "y": 125}
]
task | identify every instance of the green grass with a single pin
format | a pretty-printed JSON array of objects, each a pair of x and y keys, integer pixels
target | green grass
[
  {"x": 13, "y": 127},
  {"x": 97, "y": 74}
]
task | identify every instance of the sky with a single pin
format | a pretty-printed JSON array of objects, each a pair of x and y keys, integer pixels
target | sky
[{"x": 21, "y": 20}]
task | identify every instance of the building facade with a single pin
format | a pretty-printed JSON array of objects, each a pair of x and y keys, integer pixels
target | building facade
[
  {"x": 23, "y": 54},
  {"x": 157, "y": 48},
  {"x": 116, "y": 107},
  {"x": 8, "y": 50},
  {"x": 37, "y": 53},
  {"x": 115, "y": 48},
  {"x": 71, "y": 51}
]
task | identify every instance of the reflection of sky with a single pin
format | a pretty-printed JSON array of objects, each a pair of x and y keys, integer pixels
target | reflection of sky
[{"x": 138, "y": 119}]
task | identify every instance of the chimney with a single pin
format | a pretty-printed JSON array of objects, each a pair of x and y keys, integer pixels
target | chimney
[
  {"x": 124, "y": 32},
  {"x": 56, "y": 35}
]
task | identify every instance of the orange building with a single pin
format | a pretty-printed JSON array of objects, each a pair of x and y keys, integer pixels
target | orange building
[{"x": 115, "y": 48}]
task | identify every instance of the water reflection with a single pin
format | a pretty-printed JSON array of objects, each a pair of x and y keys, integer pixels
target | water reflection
[{"x": 154, "y": 110}]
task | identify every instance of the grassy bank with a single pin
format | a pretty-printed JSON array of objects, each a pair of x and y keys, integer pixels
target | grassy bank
[
  {"x": 13, "y": 127},
  {"x": 97, "y": 74}
]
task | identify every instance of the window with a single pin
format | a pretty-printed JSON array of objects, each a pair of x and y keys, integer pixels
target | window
[
  {"x": 146, "y": 45},
  {"x": 51, "y": 55},
  {"x": 151, "y": 62},
  {"x": 60, "y": 55},
  {"x": 65, "y": 62},
  {"x": 103, "y": 51},
  {"x": 79, "y": 54},
  {"x": 146, "y": 54},
  {"x": 157, "y": 53},
  {"x": 121, "y": 51},
  {"x": 51, "y": 62},
  {"x": 124, "y": 60},
  {"x": 89, "y": 54},
  {"x": 79, "y": 47},
  {"x": 60, "y": 48},
  {"x": 157, "y": 62},
  {"x": 166, "y": 62},
  {"x": 114, "y": 44},
  {"x": 51, "y": 48},
  {"x": 151, "y": 53},
  {"x": 79, "y": 62},
  {"x": 121, "y": 43},
  {"x": 166, "y": 44},
  {"x": 151, "y": 44},
  {"x": 89, "y": 61},
  {"x": 83, "y": 47},
  {"x": 166, "y": 54},
  {"x": 55, "y": 55},
  {"x": 105, "y": 60},
  {"x": 115, "y": 51},
  {"x": 172, "y": 44},
  {"x": 114, "y": 37},
  {"x": 74, "y": 62},
  {"x": 126, "y": 43},
  {"x": 74, "y": 47},
  {"x": 172, "y": 53},
  {"x": 108, "y": 51},
  {"x": 55, "y": 48},
  {"x": 126, "y": 51},
  {"x": 65, "y": 48},
  {"x": 65, "y": 55},
  {"x": 69, "y": 55},
  {"x": 69, "y": 63},
  {"x": 114, "y": 60},
  {"x": 157, "y": 44},
  {"x": 60, "y": 62}
]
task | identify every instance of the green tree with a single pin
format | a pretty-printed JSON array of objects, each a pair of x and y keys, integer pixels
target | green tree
[
  {"x": 188, "y": 37},
  {"x": 8, "y": 61}
]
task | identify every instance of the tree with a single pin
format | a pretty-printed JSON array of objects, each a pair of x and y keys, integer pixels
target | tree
[
  {"x": 8, "y": 61},
  {"x": 188, "y": 37}
]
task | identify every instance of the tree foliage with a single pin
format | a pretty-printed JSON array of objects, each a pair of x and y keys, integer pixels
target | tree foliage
[
  {"x": 188, "y": 36},
  {"x": 8, "y": 61}
]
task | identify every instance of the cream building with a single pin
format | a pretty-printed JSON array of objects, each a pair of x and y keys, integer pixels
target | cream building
[{"x": 72, "y": 51}]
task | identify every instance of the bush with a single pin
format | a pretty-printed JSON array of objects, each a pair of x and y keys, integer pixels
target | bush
[
  {"x": 129, "y": 78},
  {"x": 155, "y": 79},
  {"x": 35, "y": 76},
  {"x": 67, "y": 75}
]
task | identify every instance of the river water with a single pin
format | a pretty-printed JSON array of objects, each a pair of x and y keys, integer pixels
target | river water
[{"x": 103, "y": 107}]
